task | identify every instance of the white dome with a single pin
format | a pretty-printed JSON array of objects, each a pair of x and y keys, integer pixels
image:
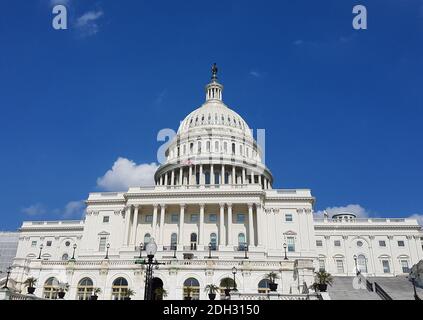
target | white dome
[{"x": 214, "y": 114}]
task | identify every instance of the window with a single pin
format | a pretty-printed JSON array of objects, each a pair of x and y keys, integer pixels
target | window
[
  {"x": 213, "y": 241},
  {"x": 102, "y": 244},
  {"x": 174, "y": 218},
  {"x": 319, "y": 243},
  {"x": 149, "y": 218},
  {"x": 263, "y": 286},
  {"x": 173, "y": 241},
  {"x": 208, "y": 146},
  {"x": 85, "y": 289},
  {"x": 382, "y": 243},
  {"x": 385, "y": 265},
  {"x": 194, "y": 218},
  {"x": 199, "y": 147},
  {"x": 322, "y": 265},
  {"x": 337, "y": 243},
  {"x": 193, "y": 240},
  {"x": 401, "y": 243},
  {"x": 359, "y": 243},
  {"x": 340, "y": 266},
  {"x": 288, "y": 217},
  {"x": 225, "y": 146},
  {"x": 106, "y": 219},
  {"x": 291, "y": 244},
  {"x": 404, "y": 266},
  {"x": 240, "y": 218},
  {"x": 233, "y": 148},
  {"x": 119, "y": 288},
  {"x": 65, "y": 257},
  {"x": 34, "y": 243},
  {"x": 362, "y": 263},
  {"x": 67, "y": 243},
  {"x": 48, "y": 243},
  {"x": 212, "y": 217},
  {"x": 191, "y": 289},
  {"x": 147, "y": 237},
  {"x": 241, "y": 242},
  {"x": 51, "y": 287},
  {"x": 216, "y": 146}
]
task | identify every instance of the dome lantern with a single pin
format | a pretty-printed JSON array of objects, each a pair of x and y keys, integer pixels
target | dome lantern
[{"x": 214, "y": 89}]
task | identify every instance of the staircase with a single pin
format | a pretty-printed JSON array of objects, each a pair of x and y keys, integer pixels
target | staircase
[
  {"x": 398, "y": 288},
  {"x": 342, "y": 289}
]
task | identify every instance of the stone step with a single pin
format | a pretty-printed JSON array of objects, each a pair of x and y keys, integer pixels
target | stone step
[
  {"x": 398, "y": 288},
  {"x": 343, "y": 289}
]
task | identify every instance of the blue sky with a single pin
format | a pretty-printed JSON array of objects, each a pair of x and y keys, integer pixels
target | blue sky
[{"x": 342, "y": 108}]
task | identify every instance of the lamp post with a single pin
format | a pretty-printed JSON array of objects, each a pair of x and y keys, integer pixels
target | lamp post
[
  {"x": 234, "y": 273},
  {"x": 7, "y": 277},
  {"x": 284, "y": 247},
  {"x": 151, "y": 249},
  {"x": 41, "y": 249},
  {"x": 356, "y": 267},
  {"x": 141, "y": 247},
  {"x": 174, "y": 251},
  {"x": 413, "y": 280},
  {"x": 246, "y": 251},
  {"x": 210, "y": 248},
  {"x": 73, "y": 254},
  {"x": 107, "y": 251}
]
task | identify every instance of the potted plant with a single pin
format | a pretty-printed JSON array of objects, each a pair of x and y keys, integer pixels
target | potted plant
[
  {"x": 323, "y": 279},
  {"x": 95, "y": 294},
  {"x": 188, "y": 291},
  {"x": 160, "y": 293},
  {"x": 63, "y": 288},
  {"x": 212, "y": 289},
  {"x": 227, "y": 283},
  {"x": 30, "y": 283},
  {"x": 272, "y": 276},
  {"x": 129, "y": 294}
]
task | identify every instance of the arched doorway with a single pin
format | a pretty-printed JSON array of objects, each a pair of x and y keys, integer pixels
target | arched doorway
[
  {"x": 193, "y": 240},
  {"x": 191, "y": 289},
  {"x": 157, "y": 288},
  {"x": 362, "y": 263},
  {"x": 263, "y": 286}
]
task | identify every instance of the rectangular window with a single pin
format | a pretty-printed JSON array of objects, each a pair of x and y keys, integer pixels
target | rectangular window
[
  {"x": 340, "y": 266},
  {"x": 401, "y": 243},
  {"x": 106, "y": 219},
  {"x": 288, "y": 217},
  {"x": 386, "y": 268},
  {"x": 212, "y": 217},
  {"x": 102, "y": 244},
  {"x": 48, "y": 243},
  {"x": 382, "y": 243},
  {"x": 337, "y": 243},
  {"x": 321, "y": 265},
  {"x": 194, "y": 218},
  {"x": 174, "y": 218},
  {"x": 319, "y": 243},
  {"x": 33, "y": 243},
  {"x": 149, "y": 218},
  {"x": 240, "y": 218},
  {"x": 291, "y": 244},
  {"x": 404, "y": 265}
]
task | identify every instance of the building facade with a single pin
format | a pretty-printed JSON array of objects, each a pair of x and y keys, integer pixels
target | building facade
[
  {"x": 8, "y": 247},
  {"x": 216, "y": 217}
]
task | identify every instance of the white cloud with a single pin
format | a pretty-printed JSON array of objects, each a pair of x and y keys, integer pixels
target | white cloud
[
  {"x": 87, "y": 23},
  {"x": 74, "y": 209},
  {"x": 35, "y": 210},
  {"x": 418, "y": 217},
  {"x": 255, "y": 73},
  {"x": 356, "y": 209},
  {"x": 126, "y": 173},
  {"x": 298, "y": 42}
]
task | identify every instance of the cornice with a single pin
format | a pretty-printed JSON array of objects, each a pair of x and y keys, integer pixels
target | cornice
[{"x": 362, "y": 227}]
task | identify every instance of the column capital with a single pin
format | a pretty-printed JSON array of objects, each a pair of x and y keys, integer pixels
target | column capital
[
  {"x": 258, "y": 205},
  {"x": 250, "y": 205},
  {"x": 229, "y": 205},
  {"x": 155, "y": 206},
  {"x": 221, "y": 204},
  {"x": 202, "y": 205},
  {"x": 183, "y": 205},
  {"x": 163, "y": 206}
]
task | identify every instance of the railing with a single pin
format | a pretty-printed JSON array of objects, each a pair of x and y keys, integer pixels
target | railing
[
  {"x": 241, "y": 248},
  {"x": 192, "y": 247},
  {"x": 169, "y": 248},
  {"x": 382, "y": 293},
  {"x": 369, "y": 286},
  {"x": 275, "y": 296}
]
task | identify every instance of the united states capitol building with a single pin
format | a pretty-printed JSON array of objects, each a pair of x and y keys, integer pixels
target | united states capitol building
[{"x": 214, "y": 214}]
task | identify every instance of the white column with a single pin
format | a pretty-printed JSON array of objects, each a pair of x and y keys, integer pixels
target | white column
[
  {"x": 154, "y": 223},
  {"x": 260, "y": 224},
  {"x": 161, "y": 180},
  {"x": 212, "y": 174},
  {"x": 230, "y": 224},
  {"x": 190, "y": 175},
  {"x": 252, "y": 177},
  {"x": 233, "y": 175},
  {"x": 222, "y": 181},
  {"x": 165, "y": 182},
  {"x": 172, "y": 179},
  {"x": 201, "y": 224},
  {"x": 181, "y": 224},
  {"x": 181, "y": 176},
  {"x": 222, "y": 224},
  {"x": 127, "y": 220},
  {"x": 243, "y": 176},
  {"x": 162, "y": 220},
  {"x": 251, "y": 241},
  {"x": 201, "y": 174},
  {"x": 134, "y": 226},
  {"x": 259, "y": 179}
]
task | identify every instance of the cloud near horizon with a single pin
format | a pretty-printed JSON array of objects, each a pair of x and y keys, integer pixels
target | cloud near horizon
[
  {"x": 126, "y": 173},
  {"x": 73, "y": 209},
  {"x": 87, "y": 23}
]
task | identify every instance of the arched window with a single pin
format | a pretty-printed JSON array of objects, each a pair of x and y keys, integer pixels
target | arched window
[
  {"x": 147, "y": 238},
  {"x": 191, "y": 289},
  {"x": 51, "y": 287},
  {"x": 207, "y": 177},
  {"x": 199, "y": 147},
  {"x": 263, "y": 286},
  {"x": 217, "y": 177},
  {"x": 173, "y": 241},
  {"x": 213, "y": 241},
  {"x": 119, "y": 288},
  {"x": 208, "y": 146},
  {"x": 85, "y": 289},
  {"x": 241, "y": 241},
  {"x": 233, "y": 148},
  {"x": 193, "y": 240},
  {"x": 65, "y": 257},
  {"x": 225, "y": 147},
  {"x": 216, "y": 146},
  {"x": 362, "y": 263}
]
